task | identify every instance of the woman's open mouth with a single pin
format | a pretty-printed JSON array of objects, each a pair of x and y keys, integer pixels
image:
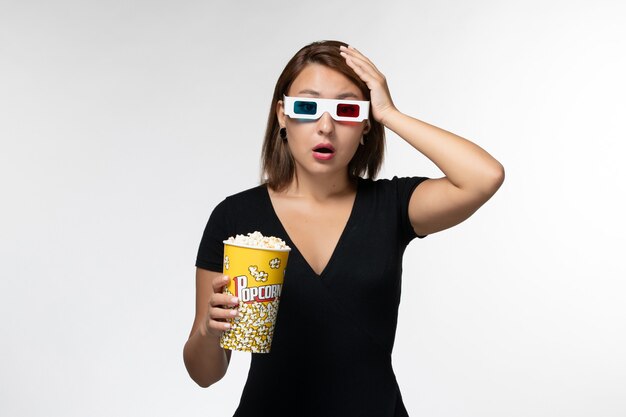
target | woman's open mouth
[{"x": 323, "y": 151}]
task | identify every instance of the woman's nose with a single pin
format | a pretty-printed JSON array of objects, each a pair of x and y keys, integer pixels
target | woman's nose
[{"x": 325, "y": 124}]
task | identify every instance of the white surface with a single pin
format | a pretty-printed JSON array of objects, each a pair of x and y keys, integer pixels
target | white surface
[{"x": 117, "y": 141}]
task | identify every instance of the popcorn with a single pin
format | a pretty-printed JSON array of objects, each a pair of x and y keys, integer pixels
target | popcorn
[
  {"x": 256, "y": 267},
  {"x": 257, "y": 240},
  {"x": 253, "y": 330}
]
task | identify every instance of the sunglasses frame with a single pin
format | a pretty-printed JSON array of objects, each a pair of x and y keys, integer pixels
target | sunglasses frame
[{"x": 325, "y": 105}]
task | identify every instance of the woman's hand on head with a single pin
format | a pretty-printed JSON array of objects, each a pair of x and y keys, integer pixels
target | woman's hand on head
[{"x": 381, "y": 103}]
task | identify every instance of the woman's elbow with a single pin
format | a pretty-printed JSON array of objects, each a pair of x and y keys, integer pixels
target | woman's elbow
[
  {"x": 492, "y": 180},
  {"x": 497, "y": 176},
  {"x": 201, "y": 373},
  {"x": 204, "y": 384},
  {"x": 205, "y": 381}
]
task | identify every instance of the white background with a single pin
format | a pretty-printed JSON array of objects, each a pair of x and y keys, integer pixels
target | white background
[{"x": 122, "y": 126}]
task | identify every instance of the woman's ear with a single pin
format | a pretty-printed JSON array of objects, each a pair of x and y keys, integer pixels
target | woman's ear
[
  {"x": 280, "y": 113},
  {"x": 367, "y": 127}
]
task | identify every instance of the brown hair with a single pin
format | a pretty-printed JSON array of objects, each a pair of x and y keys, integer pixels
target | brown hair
[{"x": 278, "y": 166}]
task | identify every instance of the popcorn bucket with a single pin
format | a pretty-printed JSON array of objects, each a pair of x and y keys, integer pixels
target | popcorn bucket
[{"x": 256, "y": 278}]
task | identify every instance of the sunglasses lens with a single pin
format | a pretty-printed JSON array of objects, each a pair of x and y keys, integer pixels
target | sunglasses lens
[
  {"x": 304, "y": 107},
  {"x": 348, "y": 110}
]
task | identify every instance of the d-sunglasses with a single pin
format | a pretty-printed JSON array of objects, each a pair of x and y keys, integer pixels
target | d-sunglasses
[{"x": 313, "y": 108}]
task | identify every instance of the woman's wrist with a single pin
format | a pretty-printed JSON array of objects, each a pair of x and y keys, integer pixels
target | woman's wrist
[
  {"x": 206, "y": 334},
  {"x": 392, "y": 118}
]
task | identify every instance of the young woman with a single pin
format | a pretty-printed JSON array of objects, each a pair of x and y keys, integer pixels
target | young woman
[{"x": 331, "y": 353}]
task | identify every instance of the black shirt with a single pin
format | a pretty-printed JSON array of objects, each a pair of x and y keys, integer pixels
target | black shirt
[{"x": 334, "y": 334}]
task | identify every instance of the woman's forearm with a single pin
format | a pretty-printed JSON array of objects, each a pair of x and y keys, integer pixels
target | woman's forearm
[
  {"x": 205, "y": 360},
  {"x": 465, "y": 164}
]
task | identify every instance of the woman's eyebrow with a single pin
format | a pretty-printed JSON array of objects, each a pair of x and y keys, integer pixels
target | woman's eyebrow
[{"x": 346, "y": 95}]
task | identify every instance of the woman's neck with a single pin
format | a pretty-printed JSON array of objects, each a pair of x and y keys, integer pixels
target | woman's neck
[{"x": 320, "y": 187}]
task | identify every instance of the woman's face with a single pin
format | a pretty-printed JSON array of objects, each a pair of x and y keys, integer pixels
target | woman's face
[{"x": 322, "y": 146}]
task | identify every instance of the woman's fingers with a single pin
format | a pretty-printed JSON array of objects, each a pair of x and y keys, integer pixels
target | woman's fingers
[
  {"x": 221, "y": 307},
  {"x": 220, "y": 313},
  {"x": 353, "y": 52},
  {"x": 225, "y": 300},
  {"x": 380, "y": 98},
  {"x": 366, "y": 72},
  {"x": 360, "y": 72},
  {"x": 219, "y": 283},
  {"x": 217, "y": 327},
  {"x": 361, "y": 61},
  {"x": 218, "y": 298},
  {"x": 223, "y": 313},
  {"x": 364, "y": 68}
]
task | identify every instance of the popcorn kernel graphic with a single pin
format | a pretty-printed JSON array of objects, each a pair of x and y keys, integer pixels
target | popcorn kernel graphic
[
  {"x": 226, "y": 262},
  {"x": 258, "y": 275},
  {"x": 275, "y": 263}
]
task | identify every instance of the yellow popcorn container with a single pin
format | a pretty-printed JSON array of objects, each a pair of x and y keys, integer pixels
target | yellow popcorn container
[{"x": 256, "y": 278}]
